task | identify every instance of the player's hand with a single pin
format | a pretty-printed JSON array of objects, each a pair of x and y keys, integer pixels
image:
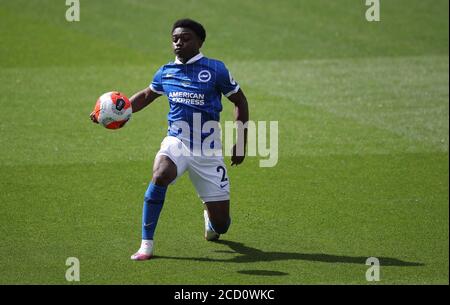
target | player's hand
[
  {"x": 235, "y": 159},
  {"x": 92, "y": 116}
]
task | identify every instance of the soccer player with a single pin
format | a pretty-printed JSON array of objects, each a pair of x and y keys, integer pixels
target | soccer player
[{"x": 193, "y": 85}]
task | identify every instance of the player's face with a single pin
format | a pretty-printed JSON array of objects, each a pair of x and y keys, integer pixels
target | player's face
[{"x": 185, "y": 43}]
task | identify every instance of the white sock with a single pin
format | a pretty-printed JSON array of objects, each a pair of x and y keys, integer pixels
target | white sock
[{"x": 146, "y": 246}]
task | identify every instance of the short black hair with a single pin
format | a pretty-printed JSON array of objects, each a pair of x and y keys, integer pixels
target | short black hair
[{"x": 191, "y": 24}]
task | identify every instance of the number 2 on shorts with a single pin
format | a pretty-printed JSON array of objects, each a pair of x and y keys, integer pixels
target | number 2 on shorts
[{"x": 221, "y": 168}]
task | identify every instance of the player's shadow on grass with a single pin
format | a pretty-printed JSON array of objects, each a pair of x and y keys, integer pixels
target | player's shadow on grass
[{"x": 253, "y": 255}]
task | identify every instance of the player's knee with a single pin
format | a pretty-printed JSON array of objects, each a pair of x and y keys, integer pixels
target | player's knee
[
  {"x": 163, "y": 177},
  {"x": 222, "y": 226},
  {"x": 221, "y": 229},
  {"x": 164, "y": 171}
]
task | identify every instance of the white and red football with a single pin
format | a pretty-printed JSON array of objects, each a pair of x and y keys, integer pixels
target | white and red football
[{"x": 113, "y": 110}]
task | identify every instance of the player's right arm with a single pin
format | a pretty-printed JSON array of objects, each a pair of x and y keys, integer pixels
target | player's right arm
[
  {"x": 138, "y": 101},
  {"x": 143, "y": 98}
]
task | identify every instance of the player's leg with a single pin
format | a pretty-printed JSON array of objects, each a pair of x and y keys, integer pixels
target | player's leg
[
  {"x": 209, "y": 176},
  {"x": 169, "y": 164},
  {"x": 164, "y": 172},
  {"x": 217, "y": 219}
]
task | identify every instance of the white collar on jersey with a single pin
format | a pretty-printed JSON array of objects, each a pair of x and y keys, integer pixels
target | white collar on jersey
[{"x": 190, "y": 61}]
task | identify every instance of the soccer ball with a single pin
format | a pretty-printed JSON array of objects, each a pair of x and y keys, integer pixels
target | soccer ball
[{"x": 113, "y": 110}]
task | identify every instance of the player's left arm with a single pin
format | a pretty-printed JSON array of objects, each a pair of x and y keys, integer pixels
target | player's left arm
[{"x": 240, "y": 114}]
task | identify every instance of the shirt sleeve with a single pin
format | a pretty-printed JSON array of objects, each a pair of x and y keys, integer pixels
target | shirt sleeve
[
  {"x": 227, "y": 85},
  {"x": 156, "y": 84}
]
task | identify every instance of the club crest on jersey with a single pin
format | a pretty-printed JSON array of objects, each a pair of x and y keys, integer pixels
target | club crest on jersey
[{"x": 204, "y": 76}]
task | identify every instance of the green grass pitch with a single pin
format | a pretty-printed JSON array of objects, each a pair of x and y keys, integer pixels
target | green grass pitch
[{"x": 363, "y": 111}]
